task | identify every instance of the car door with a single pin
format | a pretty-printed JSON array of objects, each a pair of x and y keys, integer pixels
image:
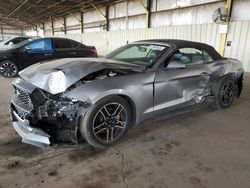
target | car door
[
  {"x": 36, "y": 51},
  {"x": 64, "y": 48},
  {"x": 182, "y": 82}
]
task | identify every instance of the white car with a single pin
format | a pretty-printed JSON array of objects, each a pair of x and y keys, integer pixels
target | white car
[{"x": 7, "y": 43}]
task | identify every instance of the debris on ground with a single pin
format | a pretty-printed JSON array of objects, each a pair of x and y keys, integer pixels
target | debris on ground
[
  {"x": 13, "y": 164},
  {"x": 52, "y": 173}
]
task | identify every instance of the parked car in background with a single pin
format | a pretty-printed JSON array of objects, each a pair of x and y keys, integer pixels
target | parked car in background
[
  {"x": 28, "y": 53},
  {"x": 7, "y": 43},
  {"x": 99, "y": 99}
]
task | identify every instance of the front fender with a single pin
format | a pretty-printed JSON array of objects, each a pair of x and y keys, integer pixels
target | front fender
[{"x": 138, "y": 88}]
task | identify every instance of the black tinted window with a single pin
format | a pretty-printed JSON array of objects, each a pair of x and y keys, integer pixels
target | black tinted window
[
  {"x": 18, "y": 40},
  {"x": 62, "y": 43},
  {"x": 75, "y": 44}
]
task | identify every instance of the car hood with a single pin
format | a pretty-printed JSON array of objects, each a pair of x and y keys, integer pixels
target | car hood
[{"x": 58, "y": 75}]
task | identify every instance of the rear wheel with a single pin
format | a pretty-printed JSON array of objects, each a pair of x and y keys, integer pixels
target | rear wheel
[
  {"x": 106, "y": 122},
  {"x": 225, "y": 92},
  {"x": 8, "y": 69}
]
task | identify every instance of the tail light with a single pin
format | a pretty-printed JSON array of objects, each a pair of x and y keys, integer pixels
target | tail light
[{"x": 94, "y": 52}]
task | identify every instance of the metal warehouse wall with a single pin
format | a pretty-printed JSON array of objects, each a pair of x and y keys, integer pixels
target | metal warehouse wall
[
  {"x": 180, "y": 19},
  {"x": 8, "y": 31},
  {"x": 239, "y": 34}
]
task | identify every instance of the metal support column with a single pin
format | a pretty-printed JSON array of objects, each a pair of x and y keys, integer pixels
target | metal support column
[
  {"x": 107, "y": 18},
  {"x": 223, "y": 39},
  {"x": 2, "y": 32},
  {"x": 43, "y": 28},
  {"x": 64, "y": 25},
  {"x": 148, "y": 14},
  {"x": 52, "y": 27},
  {"x": 81, "y": 22},
  {"x": 36, "y": 29}
]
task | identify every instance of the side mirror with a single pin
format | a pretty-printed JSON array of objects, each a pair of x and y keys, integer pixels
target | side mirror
[
  {"x": 27, "y": 48},
  {"x": 24, "y": 49},
  {"x": 176, "y": 65}
]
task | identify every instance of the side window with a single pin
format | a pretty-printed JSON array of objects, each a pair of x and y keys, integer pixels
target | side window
[
  {"x": 75, "y": 44},
  {"x": 40, "y": 46},
  {"x": 62, "y": 43},
  {"x": 207, "y": 57},
  {"x": 16, "y": 40},
  {"x": 191, "y": 56}
]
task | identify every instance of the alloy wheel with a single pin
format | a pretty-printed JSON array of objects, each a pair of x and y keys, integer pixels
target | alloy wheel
[
  {"x": 8, "y": 69},
  {"x": 227, "y": 92},
  {"x": 110, "y": 122}
]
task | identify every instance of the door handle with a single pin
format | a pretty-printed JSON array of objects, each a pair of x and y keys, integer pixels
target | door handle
[
  {"x": 72, "y": 53},
  {"x": 205, "y": 73},
  {"x": 47, "y": 54}
]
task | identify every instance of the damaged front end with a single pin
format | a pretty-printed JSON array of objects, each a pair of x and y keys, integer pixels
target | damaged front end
[{"x": 44, "y": 119}]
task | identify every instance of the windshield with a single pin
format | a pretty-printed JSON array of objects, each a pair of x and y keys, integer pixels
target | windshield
[
  {"x": 140, "y": 54},
  {"x": 20, "y": 44}
]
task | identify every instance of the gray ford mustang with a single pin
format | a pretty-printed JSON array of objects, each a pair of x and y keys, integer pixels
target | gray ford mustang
[{"x": 59, "y": 102}]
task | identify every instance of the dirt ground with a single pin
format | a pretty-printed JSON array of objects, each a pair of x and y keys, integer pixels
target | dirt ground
[{"x": 205, "y": 148}]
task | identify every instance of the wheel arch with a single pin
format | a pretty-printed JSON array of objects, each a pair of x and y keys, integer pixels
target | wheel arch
[
  {"x": 130, "y": 102},
  {"x": 132, "y": 106},
  {"x": 218, "y": 80},
  {"x": 8, "y": 59}
]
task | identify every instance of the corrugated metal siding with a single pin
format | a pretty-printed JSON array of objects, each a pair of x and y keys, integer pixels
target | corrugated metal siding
[{"x": 239, "y": 34}]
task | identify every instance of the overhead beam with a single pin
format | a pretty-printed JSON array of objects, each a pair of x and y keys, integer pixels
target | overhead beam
[
  {"x": 49, "y": 7},
  {"x": 17, "y": 8},
  {"x": 106, "y": 15},
  {"x": 98, "y": 9},
  {"x": 25, "y": 10},
  {"x": 63, "y": 11},
  {"x": 74, "y": 16}
]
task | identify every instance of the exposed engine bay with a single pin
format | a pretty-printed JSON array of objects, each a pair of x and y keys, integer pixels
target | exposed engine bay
[{"x": 101, "y": 75}]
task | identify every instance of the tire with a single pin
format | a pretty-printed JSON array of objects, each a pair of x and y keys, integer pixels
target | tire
[
  {"x": 224, "y": 92},
  {"x": 106, "y": 122},
  {"x": 8, "y": 69}
]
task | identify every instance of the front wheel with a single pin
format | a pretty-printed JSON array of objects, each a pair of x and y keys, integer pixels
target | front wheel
[
  {"x": 224, "y": 92},
  {"x": 106, "y": 122},
  {"x": 8, "y": 69}
]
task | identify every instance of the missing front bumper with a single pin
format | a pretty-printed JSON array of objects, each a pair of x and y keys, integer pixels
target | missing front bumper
[{"x": 29, "y": 135}]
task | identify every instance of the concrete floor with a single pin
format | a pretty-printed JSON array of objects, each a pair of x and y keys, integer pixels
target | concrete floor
[{"x": 205, "y": 148}]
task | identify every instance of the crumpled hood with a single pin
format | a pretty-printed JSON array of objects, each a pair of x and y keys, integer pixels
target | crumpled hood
[{"x": 57, "y": 75}]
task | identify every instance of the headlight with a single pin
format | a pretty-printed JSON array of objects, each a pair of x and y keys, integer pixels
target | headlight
[{"x": 57, "y": 82}]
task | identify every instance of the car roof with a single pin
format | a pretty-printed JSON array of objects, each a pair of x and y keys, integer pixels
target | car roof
[
  {"x": 186, "y": 44},
  {"x": 56, "y": 38}
]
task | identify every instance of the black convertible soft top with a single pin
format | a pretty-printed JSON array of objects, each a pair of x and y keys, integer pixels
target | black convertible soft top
[{"x": 187, "y": 44}]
